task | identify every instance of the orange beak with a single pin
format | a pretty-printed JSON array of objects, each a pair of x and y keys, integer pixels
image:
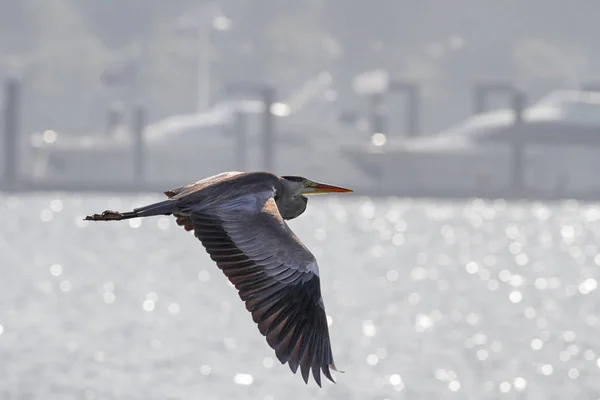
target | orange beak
[{"x": 322, "y": 188}]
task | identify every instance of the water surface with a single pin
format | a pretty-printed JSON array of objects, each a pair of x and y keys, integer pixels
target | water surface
[{"x": 428, "y": 300}]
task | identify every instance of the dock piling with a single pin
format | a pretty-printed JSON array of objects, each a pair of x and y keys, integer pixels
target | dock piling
[
  {"x": 267, "y": 94},
  {"x": 240, "y": 127},
  {"x": 139, "y": 146},
  {"x": 518, "y": 142},
  {"x": 268, "y": 136},
  {"x": 482, "y": 90},
  {"x": 11, "y": 113}
]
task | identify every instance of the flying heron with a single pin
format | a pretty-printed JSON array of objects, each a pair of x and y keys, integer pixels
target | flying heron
[{"x": 239, "y": 217}]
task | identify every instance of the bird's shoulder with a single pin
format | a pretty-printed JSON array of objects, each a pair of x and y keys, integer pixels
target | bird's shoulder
[
  {"x": 202, "y": 183},
  {"x": 225, "y": 188}
]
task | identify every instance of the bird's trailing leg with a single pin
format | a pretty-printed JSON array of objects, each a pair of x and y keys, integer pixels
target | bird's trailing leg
[
  {"x": 161, "y": 208},
  {"x": 110, "y": 215}
]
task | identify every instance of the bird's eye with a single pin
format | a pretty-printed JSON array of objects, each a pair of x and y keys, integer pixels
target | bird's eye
[{"x": 306, "y": 183}]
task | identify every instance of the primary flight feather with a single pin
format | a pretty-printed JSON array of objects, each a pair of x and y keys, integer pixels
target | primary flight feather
[{"x": 239, "y": 217}]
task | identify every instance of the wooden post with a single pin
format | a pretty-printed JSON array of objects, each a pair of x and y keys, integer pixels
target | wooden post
[
  {"x": 240, "y": 130},
  {"x": 139, "y": 150},
  {"x": 518, "y": 142},
  {"x": 12, "y": 89},
  {"x": 268, "y": 137}
]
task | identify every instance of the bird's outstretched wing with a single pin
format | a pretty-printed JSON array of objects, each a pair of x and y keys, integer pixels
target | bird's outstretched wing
[{"x": 276, "y": 276}]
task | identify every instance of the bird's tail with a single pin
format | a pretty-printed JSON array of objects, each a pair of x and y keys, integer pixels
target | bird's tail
[{"x": 165, "y": 207}]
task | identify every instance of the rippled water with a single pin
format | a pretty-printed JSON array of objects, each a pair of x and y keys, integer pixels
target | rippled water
[{"x": 428, "y": 300}]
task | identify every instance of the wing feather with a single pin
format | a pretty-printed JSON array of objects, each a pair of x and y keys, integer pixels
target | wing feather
[
  {"x": 276, "y": 276},
  {"x": 188, "y": 190}
]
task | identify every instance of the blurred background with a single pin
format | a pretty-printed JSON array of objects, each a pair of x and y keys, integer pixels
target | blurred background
[
  {"x": 423, "y": 107},
  {"x": 472, "y": 97}
]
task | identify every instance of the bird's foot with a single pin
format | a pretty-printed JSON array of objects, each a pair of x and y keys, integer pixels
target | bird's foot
[{"x": 107, "y": 215}]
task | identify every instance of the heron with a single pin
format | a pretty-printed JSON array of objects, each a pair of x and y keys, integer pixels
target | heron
[{"x": 240, "y": 219}]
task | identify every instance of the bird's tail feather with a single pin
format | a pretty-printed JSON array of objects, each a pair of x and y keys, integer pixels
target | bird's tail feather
[{"x": 165, "y": 207}]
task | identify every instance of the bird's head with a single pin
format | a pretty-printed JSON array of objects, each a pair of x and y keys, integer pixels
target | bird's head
[{"x": 299, "y": 186}]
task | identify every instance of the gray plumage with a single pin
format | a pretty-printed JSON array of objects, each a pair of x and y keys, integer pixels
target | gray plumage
[{"x": 240, "y": 220}]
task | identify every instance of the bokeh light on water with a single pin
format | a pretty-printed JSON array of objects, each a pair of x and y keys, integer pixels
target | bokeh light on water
[{"x": 426, "y": 300}]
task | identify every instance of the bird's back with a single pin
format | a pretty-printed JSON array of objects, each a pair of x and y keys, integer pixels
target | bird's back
[
  {"x": 198, "y": 185},
  {"x": 226, "y": 185}
]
